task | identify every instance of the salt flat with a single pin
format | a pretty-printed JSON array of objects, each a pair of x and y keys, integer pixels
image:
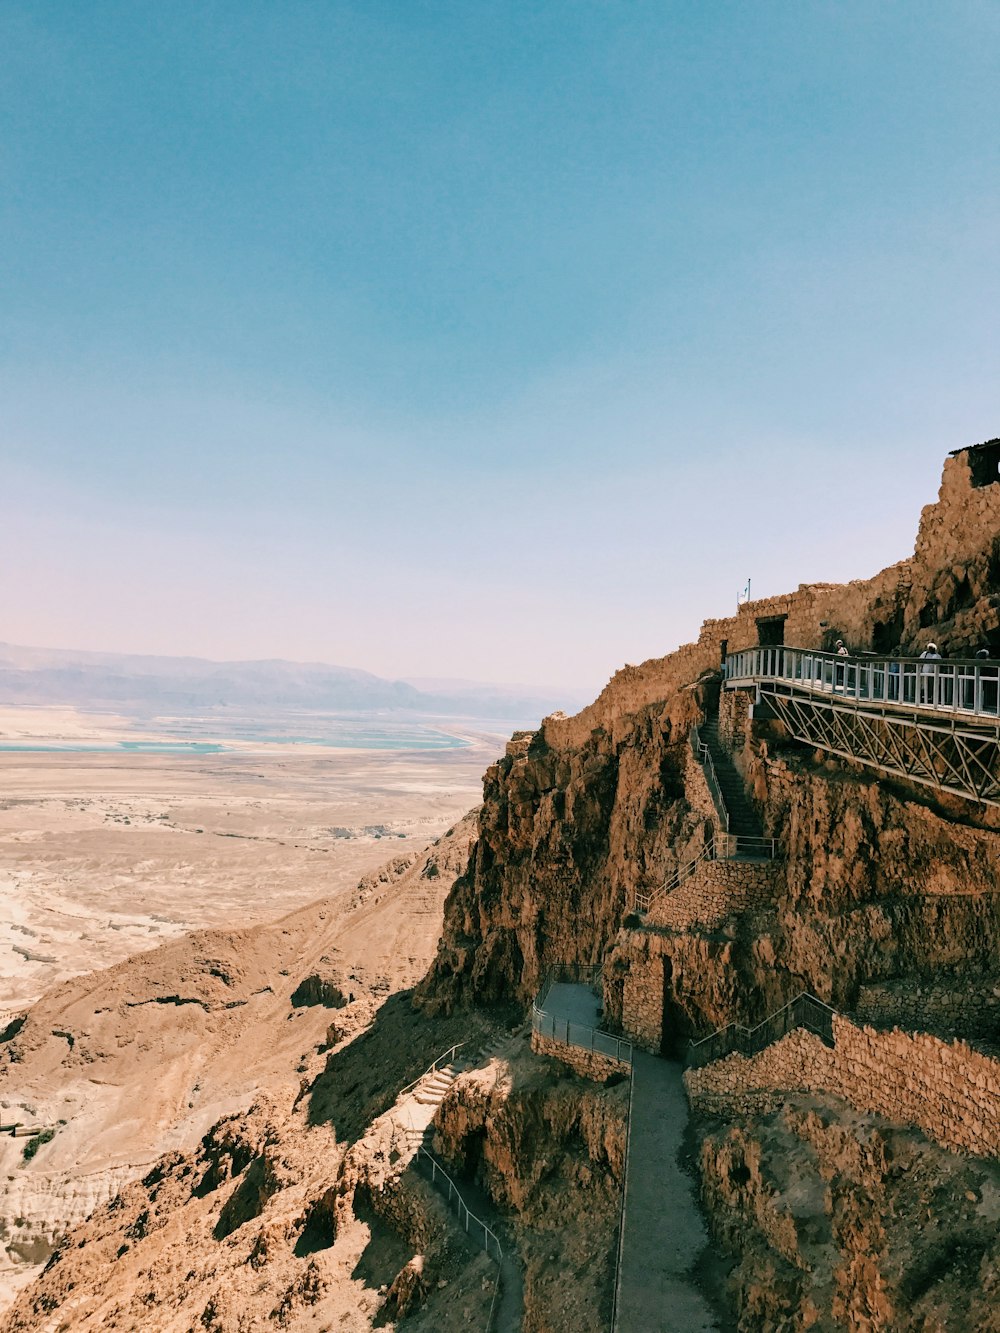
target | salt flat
[{"x": 105, "y": 852}]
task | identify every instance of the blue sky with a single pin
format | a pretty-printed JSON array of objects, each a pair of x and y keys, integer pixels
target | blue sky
[{"x": 492, "y": 341}]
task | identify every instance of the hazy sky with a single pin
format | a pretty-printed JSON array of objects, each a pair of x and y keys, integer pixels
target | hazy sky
[{"x": 488, "y": 340}]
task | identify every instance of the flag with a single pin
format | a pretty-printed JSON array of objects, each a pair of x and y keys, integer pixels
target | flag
[{"x": 743, "y": 596}]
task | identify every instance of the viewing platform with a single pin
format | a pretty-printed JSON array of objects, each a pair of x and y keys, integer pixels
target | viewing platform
[{"x": 931, "y": 721}]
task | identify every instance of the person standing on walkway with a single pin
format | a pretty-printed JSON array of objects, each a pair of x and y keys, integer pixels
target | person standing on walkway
[
  {"x": 989, "y": 680},
  {"x": 841, "y": 652},
  {"x": 928, "y": 671}
]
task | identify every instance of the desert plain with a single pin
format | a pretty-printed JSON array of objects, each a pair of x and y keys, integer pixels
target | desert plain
[
  {"x": 105, "y": 852},
  {"x": 127, "y": 872}
]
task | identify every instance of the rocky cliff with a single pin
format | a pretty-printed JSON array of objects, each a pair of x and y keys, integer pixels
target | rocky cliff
[
  {"x": 885, "y": 901},
  {"x": 879, "y": 876}
]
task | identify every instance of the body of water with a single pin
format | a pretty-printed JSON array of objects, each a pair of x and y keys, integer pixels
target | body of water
[{"x": 347, "y": 738}]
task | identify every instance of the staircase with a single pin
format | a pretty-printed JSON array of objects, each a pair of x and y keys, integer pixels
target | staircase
[
  {"x": 744, "y": 822},
  {"x": 415, "y": 1114}
]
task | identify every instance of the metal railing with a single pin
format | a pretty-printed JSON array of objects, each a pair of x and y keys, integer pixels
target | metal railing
[
  {"x": 805, "y": 1011},
  {"x": 723, "y": 847},
  {"x": 557, "y": 1028},
  {"x": 446, "y": 1058},
  {"x": 472, "y": 1224},
  {"x": 643, "y": 899},
  {"x": 620, "y": 1248},
  {"x": 727, "y": 846},
  {"x": 745, "y": 847},
  {"x": 703, "y": 755},
  {"x": 966, "y": 688}
]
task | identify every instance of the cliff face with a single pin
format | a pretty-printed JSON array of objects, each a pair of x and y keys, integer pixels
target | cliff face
[
  {"x": 549, "y": 1149},
  {"x": 880, "y": 880},
  {"x": 885, "y": 904},
  {"x": 565, "y": 835}
]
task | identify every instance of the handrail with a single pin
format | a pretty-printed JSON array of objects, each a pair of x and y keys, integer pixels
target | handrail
[
  {"x": 431, "y": 1069},
  {"x": 702, "y": 753},
  {"x": 569, "y": 1033},
  {"x": 805, "y": 1010},
  {"x": 643, "y": 899},
  {"x": 463, "y": 1208},
  {"x": 579, "y": 974},
  {"x": 616, "y": 1296},
  {"x": 747, "y": 847},
  {"x": 961, "y": 687}
]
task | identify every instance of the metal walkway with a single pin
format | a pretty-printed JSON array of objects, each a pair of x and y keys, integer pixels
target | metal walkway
[{"x": 932, "y": 722}]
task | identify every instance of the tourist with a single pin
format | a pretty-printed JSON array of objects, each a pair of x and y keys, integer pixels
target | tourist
[
  {"x": 989, "y": 682},
  {"x": 841, "y": 652},
  {"x": 928, "y": 672}
]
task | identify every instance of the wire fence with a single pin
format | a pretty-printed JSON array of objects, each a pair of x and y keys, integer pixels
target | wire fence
[
  {"x": 805, "y": 1011},
  {"x": 557, "y": 1027},
  {"x": 472, "y": 1225}
]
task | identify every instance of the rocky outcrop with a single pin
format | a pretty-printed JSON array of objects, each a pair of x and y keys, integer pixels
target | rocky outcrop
[
  {"x": 548, "y": 1148},
  {"x": 838, "y": 1221},
  {"x": 565, "y": 836}
]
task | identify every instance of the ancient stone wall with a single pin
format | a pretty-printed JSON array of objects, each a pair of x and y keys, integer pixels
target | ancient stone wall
[
  {"x": 734, "y": 718},
  {"x": 588, "y": 1064},
  {"x": 949, "y": 591},
  {"x": 948, "y": 1090},
  {"x": 714, "y": 891},
  {"x": 642, "y": 1001},
  {"x": 953, "y": 1007}
]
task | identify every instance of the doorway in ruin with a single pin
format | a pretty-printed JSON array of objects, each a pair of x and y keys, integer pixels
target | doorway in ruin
[
  {"x": 674, "y": 1028},
  {"x": 771, "y": 631},
  {"x": 984, "y": 463},
  {"x": 886, "y": 634}
]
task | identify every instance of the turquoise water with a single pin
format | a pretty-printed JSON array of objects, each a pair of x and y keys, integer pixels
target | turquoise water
[
  {"x": 370, "y": 740},
  {"x": 348, "y": 739},
  {"x": 132, "y": 747}
]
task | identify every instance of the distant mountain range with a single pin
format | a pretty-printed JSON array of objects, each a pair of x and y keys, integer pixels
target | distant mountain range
[{"x": 143, "y": 685}]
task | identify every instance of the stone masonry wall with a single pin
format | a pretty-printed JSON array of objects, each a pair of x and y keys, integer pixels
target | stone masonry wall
[
  {"x": 734, "y": 718},
  {"x": 642, "y": 1002},
  {"x": 945, "y": 592},
  {"x": 948, "y": 1090},
  {"x": 714, "y": 891},
  {"x": 962, "y": 1007},
  {"x": 588, "y": 1064}
]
